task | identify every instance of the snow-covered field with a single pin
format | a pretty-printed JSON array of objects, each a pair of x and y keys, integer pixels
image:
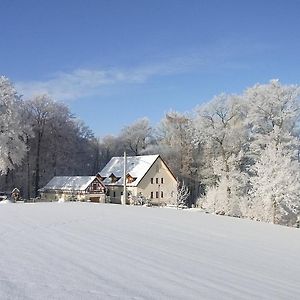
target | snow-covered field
[{"x": 103, "y": 251}]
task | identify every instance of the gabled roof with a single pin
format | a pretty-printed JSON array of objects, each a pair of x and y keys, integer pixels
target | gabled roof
[
  {"x": 137, "y": 167},
  {"x": 69, "y": 183}
]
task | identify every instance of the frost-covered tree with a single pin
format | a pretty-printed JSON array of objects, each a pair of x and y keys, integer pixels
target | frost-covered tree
[
  {"x": 273, "y": 115},
  {"x": 111, "y": 146},
  {"x": 273, "y": 121},
  {"x": 219, "y": 127},
  {"x": 60, "y": 145},
  {"x": 174, "y": 137},
  {"x": 40, "y": 108},
  {"x": 175, "y": 142},
  {"x": 137, "y": 136},
  {"x": 12, "y": 128},
  {"x": 275, "y": 196},
  {"x": 182, "y": 195},
  {"x": 251, "y": 144},
  {"x": 81, "y": 147},
  {"x": 217, "y": 198}
]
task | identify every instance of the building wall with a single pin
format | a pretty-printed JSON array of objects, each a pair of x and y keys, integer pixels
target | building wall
[
  {"x": 65, "y": 196},
  {"x": 116, "y": 193},
  {"x": 100, "y": 198},
  {"x": 162, "y": 191}
]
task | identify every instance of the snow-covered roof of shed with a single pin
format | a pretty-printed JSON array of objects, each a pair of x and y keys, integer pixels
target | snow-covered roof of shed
[
  {"x": 137, "y": 167},
  {"x": 69, "y": 183}
]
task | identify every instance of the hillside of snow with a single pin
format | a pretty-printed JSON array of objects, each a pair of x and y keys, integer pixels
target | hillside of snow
[{"x": 104, "y": 251}]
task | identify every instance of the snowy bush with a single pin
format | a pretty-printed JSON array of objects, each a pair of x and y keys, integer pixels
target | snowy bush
[{"x": 182, "y": 196}]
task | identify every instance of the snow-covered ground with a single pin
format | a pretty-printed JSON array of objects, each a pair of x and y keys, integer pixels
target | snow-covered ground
[{"x": 103, "y": 251}]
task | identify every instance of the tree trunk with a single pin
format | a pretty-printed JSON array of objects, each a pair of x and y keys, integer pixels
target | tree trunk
[
  {"x": 96, "y": 167},
  {"x": 54, "y": 159},
  {"x": 28, "y": 177},
  {"x": 28, "y": 170},
  {"x": 225, "y": 161},
  {"x": 274, "y": 211},
  {"x": 37, "y": 166}
]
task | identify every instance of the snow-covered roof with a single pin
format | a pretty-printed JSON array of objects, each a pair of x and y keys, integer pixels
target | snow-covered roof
[
  {"x": 69, "y": 183},
  {"x": 137, "y": 167}
]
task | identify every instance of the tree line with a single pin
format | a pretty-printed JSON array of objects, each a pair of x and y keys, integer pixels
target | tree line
[{"x": 238, "y": 154}]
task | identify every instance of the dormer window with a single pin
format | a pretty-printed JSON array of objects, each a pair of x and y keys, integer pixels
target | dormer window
[
  {"x": 101, "y": 178},
  {"x": 113, "y": 178},
  {"x": 130, "y": 178}
]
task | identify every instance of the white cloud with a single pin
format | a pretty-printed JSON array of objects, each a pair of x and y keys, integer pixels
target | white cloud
[
  {"x": 73, "y": 85},
  {"x": 89, "y": 82}
]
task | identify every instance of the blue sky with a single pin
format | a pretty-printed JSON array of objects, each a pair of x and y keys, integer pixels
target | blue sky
[{"x": 115, "y": 61}]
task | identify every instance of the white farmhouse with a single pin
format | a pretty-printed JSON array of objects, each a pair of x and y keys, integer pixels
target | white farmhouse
[
  {"x": 146, "y": 176},
  {"x": 74, "y": 188}
]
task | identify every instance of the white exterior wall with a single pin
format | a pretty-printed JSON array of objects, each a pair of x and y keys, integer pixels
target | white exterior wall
[
  {"x": 56, "y": 196},
  {"x": 168, "y": 187},
  {"x": 115, "y": 194},
  {"x": 118, "y": 190}
]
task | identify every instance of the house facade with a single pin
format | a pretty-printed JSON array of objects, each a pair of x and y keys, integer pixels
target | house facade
[
  {"x": 74, "y": 188},
  {"x": 147, "y": 176}
]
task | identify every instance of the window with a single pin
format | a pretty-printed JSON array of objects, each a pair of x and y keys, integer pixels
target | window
[
  {"x": 161, "y": 194},
  {"x": 95, "y": 185},
  {"x": 157, "y": 194},
  {"x": 151, "y": 195},
  {"x": 130, "y": 179},
  {"x": 114, "y": 194},
  {"x": 151, "y": 180},
  {"x": 121, "y": 193},
  {"x": 162, "y": 180},
  {"x": 114, "y": 178},
  {"x": 156, "y": 180}
]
